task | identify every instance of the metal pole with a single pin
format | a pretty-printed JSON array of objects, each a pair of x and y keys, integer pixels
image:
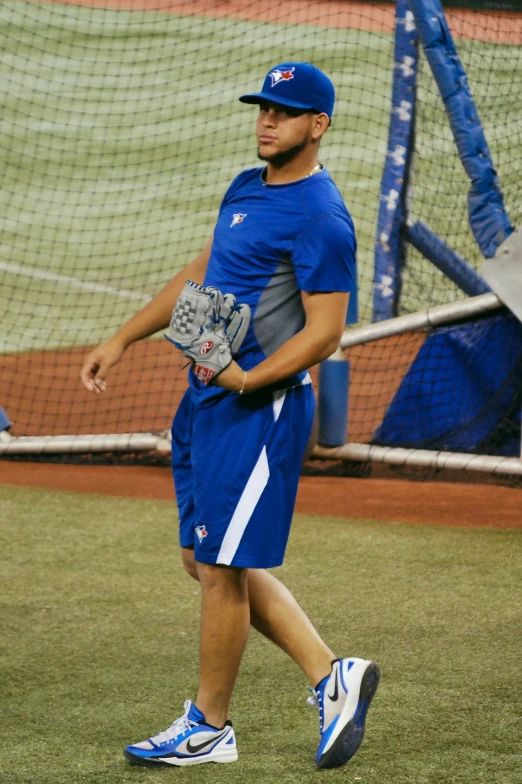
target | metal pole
[{"x": 441, "y": 314}]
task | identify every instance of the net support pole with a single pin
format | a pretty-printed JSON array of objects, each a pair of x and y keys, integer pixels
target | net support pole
[
  {"x": 113, "y": 442},
  {"x": 422, "y": 458},
  {"x": 446, "y": 259},
  {"x": 424, "y": 319},
  {"x": 487, "y": 215},
  {"x": 5, "y": 422},
  {"x": 334, "y": 383},
  {"x": 389, "y": 242}
]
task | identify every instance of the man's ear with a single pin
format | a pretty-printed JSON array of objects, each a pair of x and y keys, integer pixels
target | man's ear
[{"x": 321, "y": 124}]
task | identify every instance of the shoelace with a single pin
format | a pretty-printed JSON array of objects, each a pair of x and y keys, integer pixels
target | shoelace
[
  {"x": 312, "y": 698},
  {"x": 179, "y": 727},
  {"x": 316, "y": 700}
]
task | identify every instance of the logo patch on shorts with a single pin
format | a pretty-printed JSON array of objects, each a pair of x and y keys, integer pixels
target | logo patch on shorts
[
  {"x": 206, "y": 347},
  {"x": 278, "y": 76},
  {"x": 201, "y": 532}
]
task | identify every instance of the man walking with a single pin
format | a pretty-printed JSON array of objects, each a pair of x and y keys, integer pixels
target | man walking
[{"x": 284, "y": 244}]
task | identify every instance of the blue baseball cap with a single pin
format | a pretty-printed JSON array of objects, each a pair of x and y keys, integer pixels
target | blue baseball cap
[{"x": 297, "y": 85}]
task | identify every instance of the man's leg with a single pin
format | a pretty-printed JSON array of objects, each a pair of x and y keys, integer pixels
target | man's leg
[
  {"x": 275, "y": 613},
  {"x": 225, "y": 621}
]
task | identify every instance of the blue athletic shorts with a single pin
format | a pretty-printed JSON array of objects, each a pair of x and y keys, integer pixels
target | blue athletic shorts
[{"x": 236, "y": 462}]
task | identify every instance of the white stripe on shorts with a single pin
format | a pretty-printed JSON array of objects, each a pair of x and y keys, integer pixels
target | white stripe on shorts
[
  {"x": 280, "y": 395},
  {"x": 245, "y": 508},
  {"x": 279, "y": 399}
]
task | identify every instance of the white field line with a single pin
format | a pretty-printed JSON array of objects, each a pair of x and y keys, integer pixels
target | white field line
[{"x": 29, "y": 272}]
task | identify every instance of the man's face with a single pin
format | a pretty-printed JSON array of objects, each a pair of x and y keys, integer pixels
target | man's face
[{"x": 282, "y": 132}]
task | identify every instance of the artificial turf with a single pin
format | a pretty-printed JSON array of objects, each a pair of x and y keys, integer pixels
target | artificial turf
[
  {"x": 121, "y": 131},
  {"x": 100, "y": 635}
]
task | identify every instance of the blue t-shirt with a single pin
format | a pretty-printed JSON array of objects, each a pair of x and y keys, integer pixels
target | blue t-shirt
[{"x": 270, "y": 243}]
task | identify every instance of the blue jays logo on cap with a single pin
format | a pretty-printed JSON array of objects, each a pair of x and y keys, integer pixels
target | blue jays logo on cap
[
  {"x": 278, "y": 76},
  {"x": 297, "y": 85}
]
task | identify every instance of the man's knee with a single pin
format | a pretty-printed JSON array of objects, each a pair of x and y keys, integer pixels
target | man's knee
[
  {"x": 222, "y": 578},
  {"x": 189, "y": 564}
]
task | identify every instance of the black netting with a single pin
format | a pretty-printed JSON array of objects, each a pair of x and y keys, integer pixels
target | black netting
[
  {"x": 121, "y": 131},
  {"x": 489, "y": 47},
  {"x": 462, "y": 391}
]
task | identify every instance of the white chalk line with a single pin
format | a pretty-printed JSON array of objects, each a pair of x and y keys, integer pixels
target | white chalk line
[{"x": 30, "y": 272}]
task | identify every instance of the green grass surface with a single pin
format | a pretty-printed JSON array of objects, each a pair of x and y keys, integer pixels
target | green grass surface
[
  {"x": 100, "y": 632},
  {"x": 120, "y": 132}
]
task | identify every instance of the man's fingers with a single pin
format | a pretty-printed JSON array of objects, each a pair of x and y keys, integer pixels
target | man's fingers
[
  {"x": 92, "y": 375},
  {"x": 87, "y": 374},
  {"x": 99, "y": 382},
  {"x": 102, "y": 370},
  {"x": 97, "y": 365}
]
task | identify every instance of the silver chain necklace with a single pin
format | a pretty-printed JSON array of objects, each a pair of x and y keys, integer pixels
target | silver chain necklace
[{"x": 317, "y": 168}]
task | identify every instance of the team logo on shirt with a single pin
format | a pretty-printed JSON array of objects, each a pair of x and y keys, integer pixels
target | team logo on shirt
[
  {"x": 201, "y": 532},
  {"x": 278, "y": 76},
  {"x": 238, "y": 217}
]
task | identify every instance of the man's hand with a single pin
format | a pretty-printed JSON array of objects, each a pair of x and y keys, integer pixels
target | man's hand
[
  {"x": 99, "y": 362},
  {"x": 149, "y": 320},
  {"x": 209, "y": 327},
  {"x": 231, "y": 378}
]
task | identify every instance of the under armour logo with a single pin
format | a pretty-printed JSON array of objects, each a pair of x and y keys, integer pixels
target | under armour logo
[
  {"x": 398, "y": 155},
  {"x": 403, "y": 111},
  {"x": 385, "y": 286},
  {"x": 406, "y": 66},
  {"x": 238, "y": 217},
  {"x": 391, "y": 199},
  {"x": 408, "y": 22}
]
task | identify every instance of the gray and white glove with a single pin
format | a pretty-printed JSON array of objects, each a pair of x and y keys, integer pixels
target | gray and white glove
[{"x": 208, "y": 327}]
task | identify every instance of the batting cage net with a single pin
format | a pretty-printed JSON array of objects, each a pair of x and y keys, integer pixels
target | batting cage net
[
  {"x": 489, "y": 48},
  {"x": 121, "y": 131}
]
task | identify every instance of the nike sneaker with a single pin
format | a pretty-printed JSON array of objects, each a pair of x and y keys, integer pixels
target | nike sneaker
[
  {"x": 189, "y": 741},
  {"x": 343, "y": 698}
]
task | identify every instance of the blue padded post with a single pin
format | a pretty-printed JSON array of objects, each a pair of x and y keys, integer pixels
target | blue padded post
[
  {"x": 487, "y": 215},
  {"x": 5, "y": 422},
  {"x": 446, "y": 259},
  {"x": 389, "y": 245},
  {"x": 334, "y": 381}
]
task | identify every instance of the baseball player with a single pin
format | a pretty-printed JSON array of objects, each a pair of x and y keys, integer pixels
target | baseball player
[{"x": 277, "y": 272}]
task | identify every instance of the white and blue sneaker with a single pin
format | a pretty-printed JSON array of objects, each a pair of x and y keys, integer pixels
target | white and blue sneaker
[
  {"x": 343, "y": 698},
  {"x": 189, "y": 741}
]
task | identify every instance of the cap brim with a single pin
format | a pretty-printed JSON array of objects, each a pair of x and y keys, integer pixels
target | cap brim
[{"x": 269, "y": 98}]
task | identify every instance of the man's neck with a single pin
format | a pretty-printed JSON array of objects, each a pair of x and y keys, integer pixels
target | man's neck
[{"x": 291, "y": 171}]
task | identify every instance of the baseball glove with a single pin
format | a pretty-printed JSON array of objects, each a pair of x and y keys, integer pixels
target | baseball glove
[{"x": 209, "y": 327}]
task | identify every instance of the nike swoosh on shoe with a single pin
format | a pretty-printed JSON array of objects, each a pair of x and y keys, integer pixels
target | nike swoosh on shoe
[
  {"x": 335, "y": 696},
  {"x": 194, "y": 749}
]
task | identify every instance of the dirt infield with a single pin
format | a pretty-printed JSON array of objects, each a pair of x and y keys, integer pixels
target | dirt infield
[
  {"x": 488, "y": 26},
  {"x": 392, "y": 500},
  {"x": 145, "y": 389}
]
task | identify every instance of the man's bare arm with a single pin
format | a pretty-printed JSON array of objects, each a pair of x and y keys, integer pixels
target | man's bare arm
[
  {"x": 319, "y": 338},
  {"x": 150, "y": 319},
  {"x": 156, "y": 314}
]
